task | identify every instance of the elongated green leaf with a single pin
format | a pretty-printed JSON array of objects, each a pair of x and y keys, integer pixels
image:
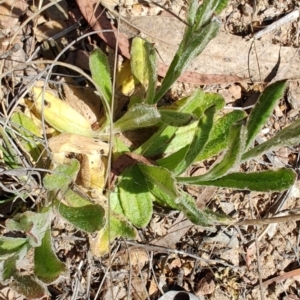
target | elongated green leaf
[
  {"x": 289, "y": 136},
  {"x": 138, "y": 61},
  {"x": 156, "y": 144},
  {"x": 135, "y": 198},
  {"x": 233, "y": 155},
  {"x": 174, "y": 118},
  {"x": 205, "y": 217},
  {"x": 100, "y": 70},
  {"x": 161, "y": 184},
  {"x": 265, "y": 181},
  {"x": 138, "y": 116},
  {"x": 186, "y": 53},
  {"x": 143, "y": 66},
  {"x": 171, "y": 162},
  {"x": 28, "y": 129},
  {"x": 222, "y": 4},
  {"x": 200, "y": 138},
  {"x": 89, "y": 218},
  {"x": 47, "y": 267},
  {"x": 63, "y": 175},
  {"x": 9, "y": 153},
  {"x": 263, "y": 109},
  {"x": 205, "y": 13},
  {"x": 29, "y": 287},
  {"x": 219, "y": 136}
]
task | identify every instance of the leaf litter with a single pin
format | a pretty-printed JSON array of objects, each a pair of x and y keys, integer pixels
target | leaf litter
[{"x": 227, "y": 266}]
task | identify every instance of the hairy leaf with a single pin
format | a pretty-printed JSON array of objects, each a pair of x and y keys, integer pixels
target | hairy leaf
[
  {"x": 200, "y": 138},
  {"x": 33, "y": 224},
  {"x": 191, "y": 46},
  {"x": 232, "y": 156},
  {"x": 10, "y": 245},
  {"x": 100, "y": 70},
  {"x": 143, "y": 66},
  {"x": 135, "y": 198},
  {"x": 47, "y": 267},
  {"x": 264, "y": 181},
  {"x": 289, "y": 136},
  {"x": 62, "y": 176},
  {"x": 263, "y": 109},
  {"x": 28, "y": 286},
  {"x": 161, "y": 183},
  {"x": 89, "y": 218},
  {"x": 138, "y": 116}
]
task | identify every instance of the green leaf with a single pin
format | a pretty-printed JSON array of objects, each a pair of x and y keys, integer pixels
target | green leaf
[
  {"x": 173, "y": 160},
  {"x": 143, "y": 66},
  {"x": 200, "y": 138},
  {"x": 205, "y": 13},
  {"x": 26, "y": 126},
  {"x": 29, "y": 131},
  {"x": 174, "y": 118},
  {"x": 9, "y": 153},
  {"x": 89, "y": 218},
  {"x": 222, "y": 4},
  {"x": 33, "y": 224},
  {"x": 29, "y": 287},
  {"x": 206, "y": 217},
  {"x": 263, "y": 109},
  {"x": 219, "y": 136},
  {"x": 135, "y": 198},
  {"x": 63, "y": 175},
  {"x": 9, "y": 246},
  {"x": 157, "y": 143},
  {"x": 47, "y": 267},
  {"x": 8, "y": 268},
  {"x": 100, "y": 70},
  {"x": 189, "y": 49},
  {"x": 161, "y": 183},
  {"x": 232, "y": 156},
  {"x": 264, "y": 181},
  {"x": 289, "y": 136},
  {"x": 138, "y": 116},
  {"x": 75, "y": 200}
]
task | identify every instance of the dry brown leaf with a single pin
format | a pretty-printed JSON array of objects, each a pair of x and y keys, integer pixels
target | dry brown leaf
[
  {"x": 175, "y": 233},
  {"x": 10, "y": 11},
  {"x": 83, "y": 100},
  {"x": 206, "y": 285},
  {"x": 68, "y": 142}
]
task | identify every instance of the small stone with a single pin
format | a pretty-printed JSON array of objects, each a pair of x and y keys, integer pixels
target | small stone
[{"x": 247, "y": 10}]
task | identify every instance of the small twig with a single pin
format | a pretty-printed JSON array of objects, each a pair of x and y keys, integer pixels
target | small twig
[
  {"x": 262, "y": 222},
  {"x": 294, "y": 15}
]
